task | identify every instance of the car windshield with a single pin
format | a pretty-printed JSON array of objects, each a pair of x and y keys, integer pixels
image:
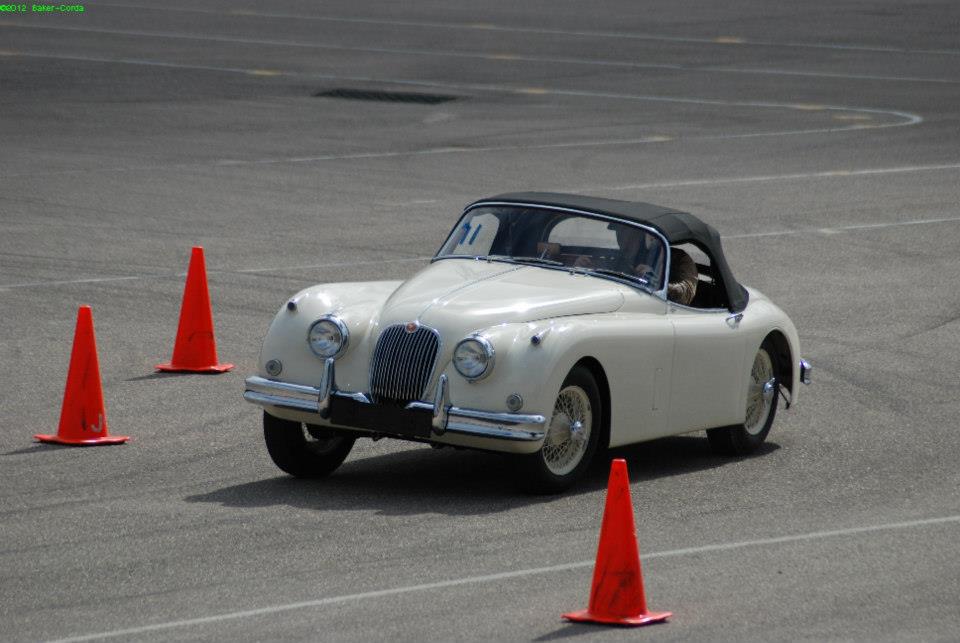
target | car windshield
[{"x": 539, "y": 236}]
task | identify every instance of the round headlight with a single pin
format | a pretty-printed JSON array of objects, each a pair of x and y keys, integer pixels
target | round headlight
[
  {"x": 473, "y": 358},
  {"x": 328, "y": 337}
]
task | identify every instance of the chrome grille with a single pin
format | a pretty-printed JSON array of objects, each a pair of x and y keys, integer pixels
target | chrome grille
[{"x": 402, "y": 364}]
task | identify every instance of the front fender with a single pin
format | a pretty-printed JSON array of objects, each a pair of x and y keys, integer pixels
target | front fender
[
  {"x": 761, "y": 318},
  {"x": 357, "y": 304}
]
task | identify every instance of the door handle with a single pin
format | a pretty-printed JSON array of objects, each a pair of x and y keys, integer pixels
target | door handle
[{"x": 735, "y": 319}]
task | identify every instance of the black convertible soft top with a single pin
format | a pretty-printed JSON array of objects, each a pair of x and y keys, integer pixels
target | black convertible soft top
[{"x": 676, "y": 226}]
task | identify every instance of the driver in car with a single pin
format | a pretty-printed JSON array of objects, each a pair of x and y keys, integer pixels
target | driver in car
[{"x": 640, "y": 255}]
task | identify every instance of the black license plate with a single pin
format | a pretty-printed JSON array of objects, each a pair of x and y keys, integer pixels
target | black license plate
[{"x": 392, "y": 420}]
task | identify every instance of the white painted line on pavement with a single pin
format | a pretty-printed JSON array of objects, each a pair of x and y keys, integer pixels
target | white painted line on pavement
[
  {"x": 340, "y": 264},
  {"x": 546, "y": 31},
  {"x": 838, "y": 229},
  {"x": 904, "y": 169},
  {"x": 510, "y": 56},
  {"x": 520, "y": 573},
  {"x": 905, "y": 119},
  {"x": 662, "y": 184},
  {"x": 94, "y": 280}
]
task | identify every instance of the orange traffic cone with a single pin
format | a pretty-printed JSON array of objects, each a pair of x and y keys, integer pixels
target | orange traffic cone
[
  {"x": 195, "y": 349},
  {"x": 616, "y": 597},
  {"x": 83, "y": 419}
]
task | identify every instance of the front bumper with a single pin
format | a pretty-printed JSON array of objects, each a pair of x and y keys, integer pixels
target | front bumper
[{"x": 422, "y": 420}]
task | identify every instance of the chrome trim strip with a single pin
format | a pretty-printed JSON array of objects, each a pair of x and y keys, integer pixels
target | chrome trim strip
[
  {"x": 447, "y": 418},
  {"x": 279, "y": 400},
  {"x": 499, "y": 417},
  {"x": 510, "y": 419},
  {"x": 494, "y": 432},
  {"x": 357, "y": 397},
  {"x": 327, "y": 387},
  {"x": 273, "y": 387},
  {"x": 441, "y": 406}
]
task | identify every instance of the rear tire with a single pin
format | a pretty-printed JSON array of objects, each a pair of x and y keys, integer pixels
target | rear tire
[
  {"x": 573, "y": 434},
  {"x": 761, "y": 408},
  {"x": 304, "y": 450}
]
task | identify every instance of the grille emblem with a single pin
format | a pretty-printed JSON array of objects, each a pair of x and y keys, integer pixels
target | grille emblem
[{"x": 411, "y": 327}]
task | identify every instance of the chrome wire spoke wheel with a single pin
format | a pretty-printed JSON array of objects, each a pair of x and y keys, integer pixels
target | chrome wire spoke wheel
[
  {"x": 760, "y": 393},
  {"x": 569, "y": 432}
]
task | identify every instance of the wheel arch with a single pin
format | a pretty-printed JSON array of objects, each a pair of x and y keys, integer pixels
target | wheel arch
[
  {"x": 596, "y": 369},
  {"x": 784, "y": 360}
]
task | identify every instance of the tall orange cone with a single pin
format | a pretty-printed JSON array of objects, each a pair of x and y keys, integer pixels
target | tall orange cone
[
  {"x": 83, "y": 419},
  {"x": 616, "y": 597},
  {"x": 195, "y": 350}
]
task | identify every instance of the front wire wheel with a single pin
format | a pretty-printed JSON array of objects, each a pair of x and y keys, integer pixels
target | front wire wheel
[
  {"x": 761, "y": 408},
  {"x": 571, "y": 441},
  {"x": 569, "y": 432}
]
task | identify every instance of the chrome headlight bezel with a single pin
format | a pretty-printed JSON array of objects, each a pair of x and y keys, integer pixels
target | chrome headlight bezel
[
  {"x": 337, "y": 325},
  {"x": 484, "y": 347}
]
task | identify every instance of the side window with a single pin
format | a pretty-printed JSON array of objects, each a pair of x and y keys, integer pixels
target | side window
[
  {"x": 476, "y": 235},
  {"x": 693, "y": 280},
  {"x": 699, "y": 256}
]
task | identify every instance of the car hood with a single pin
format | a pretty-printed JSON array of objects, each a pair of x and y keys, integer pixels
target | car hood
[{"x": 473, "y": 294}]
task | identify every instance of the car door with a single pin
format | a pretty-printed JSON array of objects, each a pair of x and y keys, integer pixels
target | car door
[{"x": 706, "y": 379}]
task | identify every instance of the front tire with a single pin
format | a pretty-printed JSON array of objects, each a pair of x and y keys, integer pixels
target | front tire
[
  {"x": 304, "y": 450},
  {"x": 761, "y": 408},
  {"x": 573, "y": 434}
]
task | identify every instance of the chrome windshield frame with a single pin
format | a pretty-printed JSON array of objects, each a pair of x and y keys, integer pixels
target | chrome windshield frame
[{"x": 662, "y": 293}]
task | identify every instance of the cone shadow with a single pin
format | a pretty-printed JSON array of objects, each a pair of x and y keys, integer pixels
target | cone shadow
[
  {"x": 159, "y": 375},
  {"x": 571, "y": 630},
  {"x": 39, "y": 447},
  {"x": 151, "y": 376}
]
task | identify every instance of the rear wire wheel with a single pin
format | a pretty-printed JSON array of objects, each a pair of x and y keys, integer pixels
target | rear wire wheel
[
  {"x": 761, "y": 408},
  {"x": 573, "y": 433},
  {"x": 304, "y": 450}
]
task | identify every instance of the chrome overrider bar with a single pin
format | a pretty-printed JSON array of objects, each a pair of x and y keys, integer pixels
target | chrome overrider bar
[
  {"x": 446, "y": 417},
  {"x": 805, "y": 369}
]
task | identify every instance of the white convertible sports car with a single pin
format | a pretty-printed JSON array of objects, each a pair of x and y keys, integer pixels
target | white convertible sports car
[{"x": 548, "y": 326}]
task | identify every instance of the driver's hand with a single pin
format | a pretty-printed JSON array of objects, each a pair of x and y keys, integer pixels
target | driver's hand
[
  {"x": 641, "y": 269},
  {"x": 583, "y": 261}
]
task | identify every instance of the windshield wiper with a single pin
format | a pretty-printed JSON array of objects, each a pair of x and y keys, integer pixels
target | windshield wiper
[
  {"x": 540, "y": 260},
  {"x": 524, "y": 260},
  {"x": 618, "y": 274}
]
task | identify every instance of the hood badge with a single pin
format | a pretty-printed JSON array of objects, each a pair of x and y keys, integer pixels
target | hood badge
[{"x": 411, "y": 327}]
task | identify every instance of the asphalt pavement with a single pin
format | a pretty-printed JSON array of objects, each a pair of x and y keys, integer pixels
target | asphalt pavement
[{"x": 822, "y": 139}]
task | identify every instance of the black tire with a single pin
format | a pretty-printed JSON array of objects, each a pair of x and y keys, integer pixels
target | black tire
[
  {"x": 304, "y": 450},
  {"x": 743, "y": 439},
  {"x": 532, "y": 472}
]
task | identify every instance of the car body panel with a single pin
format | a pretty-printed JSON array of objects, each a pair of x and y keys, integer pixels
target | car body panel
[{"x": 520, "y": 295}]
